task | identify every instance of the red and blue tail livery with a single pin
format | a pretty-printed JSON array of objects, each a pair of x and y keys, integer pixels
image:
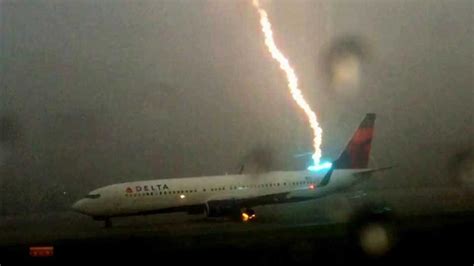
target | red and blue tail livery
[{"x": 357, "y": 151}]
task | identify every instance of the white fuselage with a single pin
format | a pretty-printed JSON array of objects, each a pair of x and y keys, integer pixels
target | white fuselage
[{"x": 161, "y": 194}]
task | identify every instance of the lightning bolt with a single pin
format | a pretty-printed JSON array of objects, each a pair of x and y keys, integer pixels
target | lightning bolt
[{"x": 292, "y": 81}]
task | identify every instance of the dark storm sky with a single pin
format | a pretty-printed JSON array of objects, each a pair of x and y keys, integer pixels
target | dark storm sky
[{"x": 97, "y": 92}]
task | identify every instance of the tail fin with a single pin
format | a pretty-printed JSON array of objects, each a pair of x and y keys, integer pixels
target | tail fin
[{"x": 356, "y": 154}]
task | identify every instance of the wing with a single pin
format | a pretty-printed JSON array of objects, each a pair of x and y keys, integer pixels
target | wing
[{"x": 252, "y": 201}]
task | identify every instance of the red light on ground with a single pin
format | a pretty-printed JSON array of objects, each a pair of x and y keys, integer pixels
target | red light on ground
[
  {"x": 311, "y": 186},
  {"x": 41, "y": 251}
]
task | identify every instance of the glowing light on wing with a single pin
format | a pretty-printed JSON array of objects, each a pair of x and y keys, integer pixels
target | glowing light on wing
[
  {"x": 292, "y": 81},
  {"x": 322, "y": 166}
]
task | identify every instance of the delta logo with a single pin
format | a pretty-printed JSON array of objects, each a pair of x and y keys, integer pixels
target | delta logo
[{"x": 146, "y": 188}]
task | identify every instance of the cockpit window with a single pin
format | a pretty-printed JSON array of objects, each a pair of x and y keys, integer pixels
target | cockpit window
[{"x": 92, "y": 196}]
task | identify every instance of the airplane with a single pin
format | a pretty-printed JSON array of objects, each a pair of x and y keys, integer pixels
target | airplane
[{"x": 234, "y": 196}]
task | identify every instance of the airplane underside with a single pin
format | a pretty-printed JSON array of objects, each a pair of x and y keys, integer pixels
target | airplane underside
[{"x": 236, "y": 210}]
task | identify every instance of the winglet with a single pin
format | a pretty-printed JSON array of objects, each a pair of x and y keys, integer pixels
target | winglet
[{"x": 326, "y": 178}]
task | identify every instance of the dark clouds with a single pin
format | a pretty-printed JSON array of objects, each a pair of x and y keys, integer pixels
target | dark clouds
[{"x": 110, "y": 91}]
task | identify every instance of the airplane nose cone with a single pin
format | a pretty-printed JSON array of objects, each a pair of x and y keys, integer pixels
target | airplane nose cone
[{"x": 78, "y": 206}]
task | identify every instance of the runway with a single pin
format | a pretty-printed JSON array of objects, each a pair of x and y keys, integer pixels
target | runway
[{"x": 283, "y": 233}]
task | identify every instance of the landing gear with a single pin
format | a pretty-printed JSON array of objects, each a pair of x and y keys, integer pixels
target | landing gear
[
  {"x": 107, "y": 223},
  {"x": 247, "y": 215},
  {"x": 229, "y": 209}
]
